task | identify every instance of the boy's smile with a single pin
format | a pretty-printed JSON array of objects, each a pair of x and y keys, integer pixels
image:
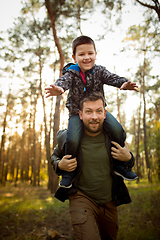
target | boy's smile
[{"x": 85, "y": 56}]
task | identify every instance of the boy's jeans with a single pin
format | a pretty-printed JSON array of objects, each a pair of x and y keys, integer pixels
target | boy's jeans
[{"x": 74, "y": 135}]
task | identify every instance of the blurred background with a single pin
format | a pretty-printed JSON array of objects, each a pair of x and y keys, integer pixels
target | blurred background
[{"x": 35, "y": 43}]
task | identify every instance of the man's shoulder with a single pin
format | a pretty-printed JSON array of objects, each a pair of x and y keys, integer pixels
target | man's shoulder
[{"x": 61, "y": 136}]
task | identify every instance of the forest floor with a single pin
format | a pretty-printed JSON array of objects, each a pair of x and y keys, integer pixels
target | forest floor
[{"x": 30, "y": 213}]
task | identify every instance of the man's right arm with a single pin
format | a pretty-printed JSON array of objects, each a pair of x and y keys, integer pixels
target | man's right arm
[{"x": 59, "y": 160}]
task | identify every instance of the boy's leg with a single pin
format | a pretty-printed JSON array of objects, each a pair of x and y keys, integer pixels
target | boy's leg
[
  {"x": 114, "y": 129},
  {"x": 117, "y": 134},
  {"x": 74, "y": 134}
]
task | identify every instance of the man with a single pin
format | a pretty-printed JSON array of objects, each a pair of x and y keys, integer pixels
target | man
[{"x": 96, "y": 190}]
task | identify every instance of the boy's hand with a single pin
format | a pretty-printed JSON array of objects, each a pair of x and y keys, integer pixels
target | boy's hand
[
  {"x": 53, "y": 91},
  {"x": 129, "y": 86},
  {"x": 121, "y": 153},
  {"x": 67, "y": 164}
]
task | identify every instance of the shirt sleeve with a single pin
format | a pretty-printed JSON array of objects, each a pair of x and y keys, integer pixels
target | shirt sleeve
[
  {"x": 112, "y": 79},
  {"x": 65, "y": 81}
]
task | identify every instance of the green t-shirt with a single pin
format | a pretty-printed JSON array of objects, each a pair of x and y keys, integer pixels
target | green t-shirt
[{"x": 95, "y": 179}]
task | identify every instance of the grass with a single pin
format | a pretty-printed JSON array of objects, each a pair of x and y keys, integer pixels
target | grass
[
  {"x": 31, "y": 213},
  {"x": 140, "y": 220}
]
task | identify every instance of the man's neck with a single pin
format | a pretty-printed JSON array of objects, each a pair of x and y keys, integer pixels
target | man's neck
[{"x": 91, "y": 134}]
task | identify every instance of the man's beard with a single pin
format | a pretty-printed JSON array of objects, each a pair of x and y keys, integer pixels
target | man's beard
[{"x": 93, "y": 130}]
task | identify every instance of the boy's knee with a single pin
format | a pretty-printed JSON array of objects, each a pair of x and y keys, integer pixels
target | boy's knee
[{"x": 74, "y": 142}]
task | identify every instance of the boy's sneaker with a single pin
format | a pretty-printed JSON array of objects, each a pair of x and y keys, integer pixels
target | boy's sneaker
[
  {"x": 125, "y": 173},
  {"x": 66, "y": 182}
]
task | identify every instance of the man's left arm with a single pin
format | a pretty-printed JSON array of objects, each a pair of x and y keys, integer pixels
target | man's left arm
[{"x": 122, "y": 153}]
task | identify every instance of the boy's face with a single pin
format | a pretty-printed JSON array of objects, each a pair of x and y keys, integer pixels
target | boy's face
[{"x": 85, "y": 56}]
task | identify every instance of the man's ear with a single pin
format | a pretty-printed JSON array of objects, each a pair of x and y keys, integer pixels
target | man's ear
[
  {"x": 74, "y": 58},
  {"x": 105, "y": 113},
  {"x": 80, "y": 114}
]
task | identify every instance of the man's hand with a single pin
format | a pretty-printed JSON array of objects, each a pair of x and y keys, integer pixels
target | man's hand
[
  {"x": 121, "y": 153},
  {"x": 129, "y": 86},
  {"x": 53, "y": 91},
  {"x": 67, "y": 164}
]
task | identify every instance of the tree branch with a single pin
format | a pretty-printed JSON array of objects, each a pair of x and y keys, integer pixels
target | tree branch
[
  {"x": 56, "y": 39},
  {"x": 146, "y": 5},
  {"x": 156, "y": 7}
]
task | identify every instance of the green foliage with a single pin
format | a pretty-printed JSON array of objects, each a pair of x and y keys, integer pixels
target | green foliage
[
  {"x": 118, "y": 5},
  {"x": 31, "y": 6}
]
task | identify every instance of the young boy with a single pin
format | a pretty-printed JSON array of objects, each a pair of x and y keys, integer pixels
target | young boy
[{"x": 82, "y": 78}]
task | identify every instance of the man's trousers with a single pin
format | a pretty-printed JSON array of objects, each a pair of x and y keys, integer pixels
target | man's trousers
[{"x": 93, "y": 221}]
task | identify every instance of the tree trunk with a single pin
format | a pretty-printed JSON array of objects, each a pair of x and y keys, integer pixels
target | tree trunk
[
  {"x": 56, "y": 40},
  {"x": 34, "y": 142},
  {"x": 47, "y": 139},
  {"x": 158, "y": 145},
  {"x": 16, "y": 158},
  {"x": 144, "y": 122},
  {"x": 40, "y": 155},
  {"x": 6, "y": 167},
  {"x": 137, "y": 144},
  {"x": 54, "y": 178},
  {"x": 3, "y": 139}
]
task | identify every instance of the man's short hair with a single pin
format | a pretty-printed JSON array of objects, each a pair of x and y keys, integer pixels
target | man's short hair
[
  {"x": 93, "y": 96},
  {"x": 82, "y": 40}
]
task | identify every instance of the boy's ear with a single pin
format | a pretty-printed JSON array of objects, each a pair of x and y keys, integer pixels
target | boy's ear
[
  {"x": 96, "y": 55},
  {"x": 74, "y": 58}
]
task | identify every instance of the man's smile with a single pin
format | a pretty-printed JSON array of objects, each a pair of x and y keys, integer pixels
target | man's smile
[{"x": 94, "y": 123}]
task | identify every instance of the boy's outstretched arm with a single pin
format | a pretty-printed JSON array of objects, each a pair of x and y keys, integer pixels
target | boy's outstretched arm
[
  {"x": 53, "y": 90},
  {"x": 129, "y": 86}
]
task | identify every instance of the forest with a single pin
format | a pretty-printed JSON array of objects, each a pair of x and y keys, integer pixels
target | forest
[{"x": 33, "y": 54}]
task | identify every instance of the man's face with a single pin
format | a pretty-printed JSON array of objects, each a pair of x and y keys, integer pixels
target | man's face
[
  {"x": 93, "y": 115},
  {"x": 85, "y": 56}
]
